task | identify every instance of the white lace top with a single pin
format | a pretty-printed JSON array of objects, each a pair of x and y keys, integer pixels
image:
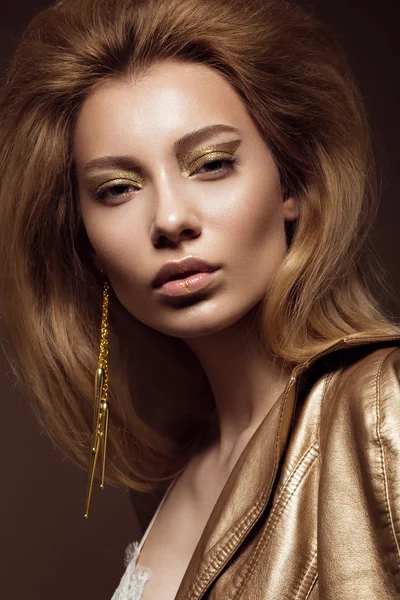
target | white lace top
[{"x": 135, "y": 576}]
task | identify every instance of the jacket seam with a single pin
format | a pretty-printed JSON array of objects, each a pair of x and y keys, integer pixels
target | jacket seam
[
  {"x": 213, "y": 566},
  {"x": 310, "y": 566},
  {"x": 209, "y": 571},
  {"x": 267, "y": 533},
  {"x": 378, "y": 383},
  {"x": 326, "y": 384},
  {"x": 314, "y": 581},
  {"x": 312, "y": 446},
  {"x": 246, "y": 573}
]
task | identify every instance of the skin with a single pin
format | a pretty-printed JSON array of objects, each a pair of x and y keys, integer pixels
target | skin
[{"x": 169, "y": 206}]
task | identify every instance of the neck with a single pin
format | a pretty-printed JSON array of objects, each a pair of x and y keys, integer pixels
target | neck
[{"x": 245, "y": 383}]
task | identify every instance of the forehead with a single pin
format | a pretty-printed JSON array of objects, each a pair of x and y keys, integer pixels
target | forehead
[{"x": 170, "y": 99}]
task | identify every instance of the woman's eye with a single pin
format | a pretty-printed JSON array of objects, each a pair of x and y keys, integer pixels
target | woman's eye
[
  {"x": 116, "y": 193},
  {"x": 110, "y": 194},
  {"x": 218, "y": 165}
]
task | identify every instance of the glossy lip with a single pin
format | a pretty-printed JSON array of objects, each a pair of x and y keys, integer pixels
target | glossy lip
[
  {"x": 188, "y": 286},
  {"x": 180, "y": 267}
]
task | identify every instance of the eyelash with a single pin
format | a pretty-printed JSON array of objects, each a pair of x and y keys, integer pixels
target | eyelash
[{"x": 230, "y": 165}]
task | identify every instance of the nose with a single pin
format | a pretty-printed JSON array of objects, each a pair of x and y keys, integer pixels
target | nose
[{"x": 175, "y": 216}]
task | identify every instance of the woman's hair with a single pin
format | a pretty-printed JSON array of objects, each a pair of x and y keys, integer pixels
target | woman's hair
[{"x": 296, "y": 84}]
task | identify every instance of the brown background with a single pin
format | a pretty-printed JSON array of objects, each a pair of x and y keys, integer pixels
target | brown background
[{"x": 47, "y": 549}]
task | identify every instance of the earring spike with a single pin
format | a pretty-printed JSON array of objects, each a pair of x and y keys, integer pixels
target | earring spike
[{"x": 98, "y": 444}]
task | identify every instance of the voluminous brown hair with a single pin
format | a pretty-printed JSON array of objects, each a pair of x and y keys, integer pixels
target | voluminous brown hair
[{"x": 296, "y": 84}]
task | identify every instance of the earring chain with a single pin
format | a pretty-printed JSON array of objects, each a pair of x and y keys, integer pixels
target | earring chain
[{"x": 101, "y": 412}]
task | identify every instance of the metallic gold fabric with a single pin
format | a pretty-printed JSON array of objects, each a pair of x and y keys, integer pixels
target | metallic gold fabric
[{"x": 312, "y": 508}]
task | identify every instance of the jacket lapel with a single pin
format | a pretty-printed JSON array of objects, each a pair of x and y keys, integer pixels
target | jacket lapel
[{"x": 249, "y": 486}]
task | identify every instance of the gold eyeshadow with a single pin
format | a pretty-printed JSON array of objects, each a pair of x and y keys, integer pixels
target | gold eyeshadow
[
  {"x": 116, "y": 178},
  {"x": 189, "y": 160}
]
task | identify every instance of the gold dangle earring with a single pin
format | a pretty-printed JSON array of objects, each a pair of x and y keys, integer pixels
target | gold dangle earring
[{"x": 100, "y": 417}]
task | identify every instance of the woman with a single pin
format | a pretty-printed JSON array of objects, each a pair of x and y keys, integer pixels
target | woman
[{"x": 189, "y": 184}]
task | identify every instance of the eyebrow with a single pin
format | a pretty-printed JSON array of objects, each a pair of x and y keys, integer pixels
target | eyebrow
[{"x": 188, "y": 141}]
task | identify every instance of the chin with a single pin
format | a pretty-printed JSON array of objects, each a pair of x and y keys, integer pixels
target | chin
[{"x": 199, "y": 321}]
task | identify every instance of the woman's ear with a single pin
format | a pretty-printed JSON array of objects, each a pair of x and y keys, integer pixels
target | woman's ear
[{"x": 291, "y": 208}]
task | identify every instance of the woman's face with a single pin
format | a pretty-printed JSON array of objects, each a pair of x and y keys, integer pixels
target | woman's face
[{"x": 147, "y": 200}]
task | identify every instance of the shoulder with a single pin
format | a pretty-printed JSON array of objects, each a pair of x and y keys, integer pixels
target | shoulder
[
  {"x": 359, "y": 500},
  {"x": 361, "y": 407},
  {"x": 360, "y": 420},
  {"x": 368, "y": 384}
]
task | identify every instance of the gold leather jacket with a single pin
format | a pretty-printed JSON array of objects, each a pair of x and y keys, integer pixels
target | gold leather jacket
[{"x": 311, "y": 510}]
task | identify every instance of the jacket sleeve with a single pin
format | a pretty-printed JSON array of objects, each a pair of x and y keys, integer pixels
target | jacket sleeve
[{"x": 359, "y": 488}]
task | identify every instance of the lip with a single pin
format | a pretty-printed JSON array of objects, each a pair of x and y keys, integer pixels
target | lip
[
  {"x": 190, "y": 264},
  {"x": 187, "y": 286}
]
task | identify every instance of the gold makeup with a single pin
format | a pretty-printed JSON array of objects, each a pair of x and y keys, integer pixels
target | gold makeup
[
  {"x": 190, "y": 160},
  {"x": 115, "y": 178}
]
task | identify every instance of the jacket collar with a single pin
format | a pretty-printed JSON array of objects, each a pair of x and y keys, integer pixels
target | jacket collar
[{"x": 248, "y": 488}]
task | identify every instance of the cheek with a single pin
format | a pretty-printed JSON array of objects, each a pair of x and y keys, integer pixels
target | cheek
[
  {"x": 118, "y": 246},
  {"x": 256, "y": 216},
  {"x": 258, "y": 236}
]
